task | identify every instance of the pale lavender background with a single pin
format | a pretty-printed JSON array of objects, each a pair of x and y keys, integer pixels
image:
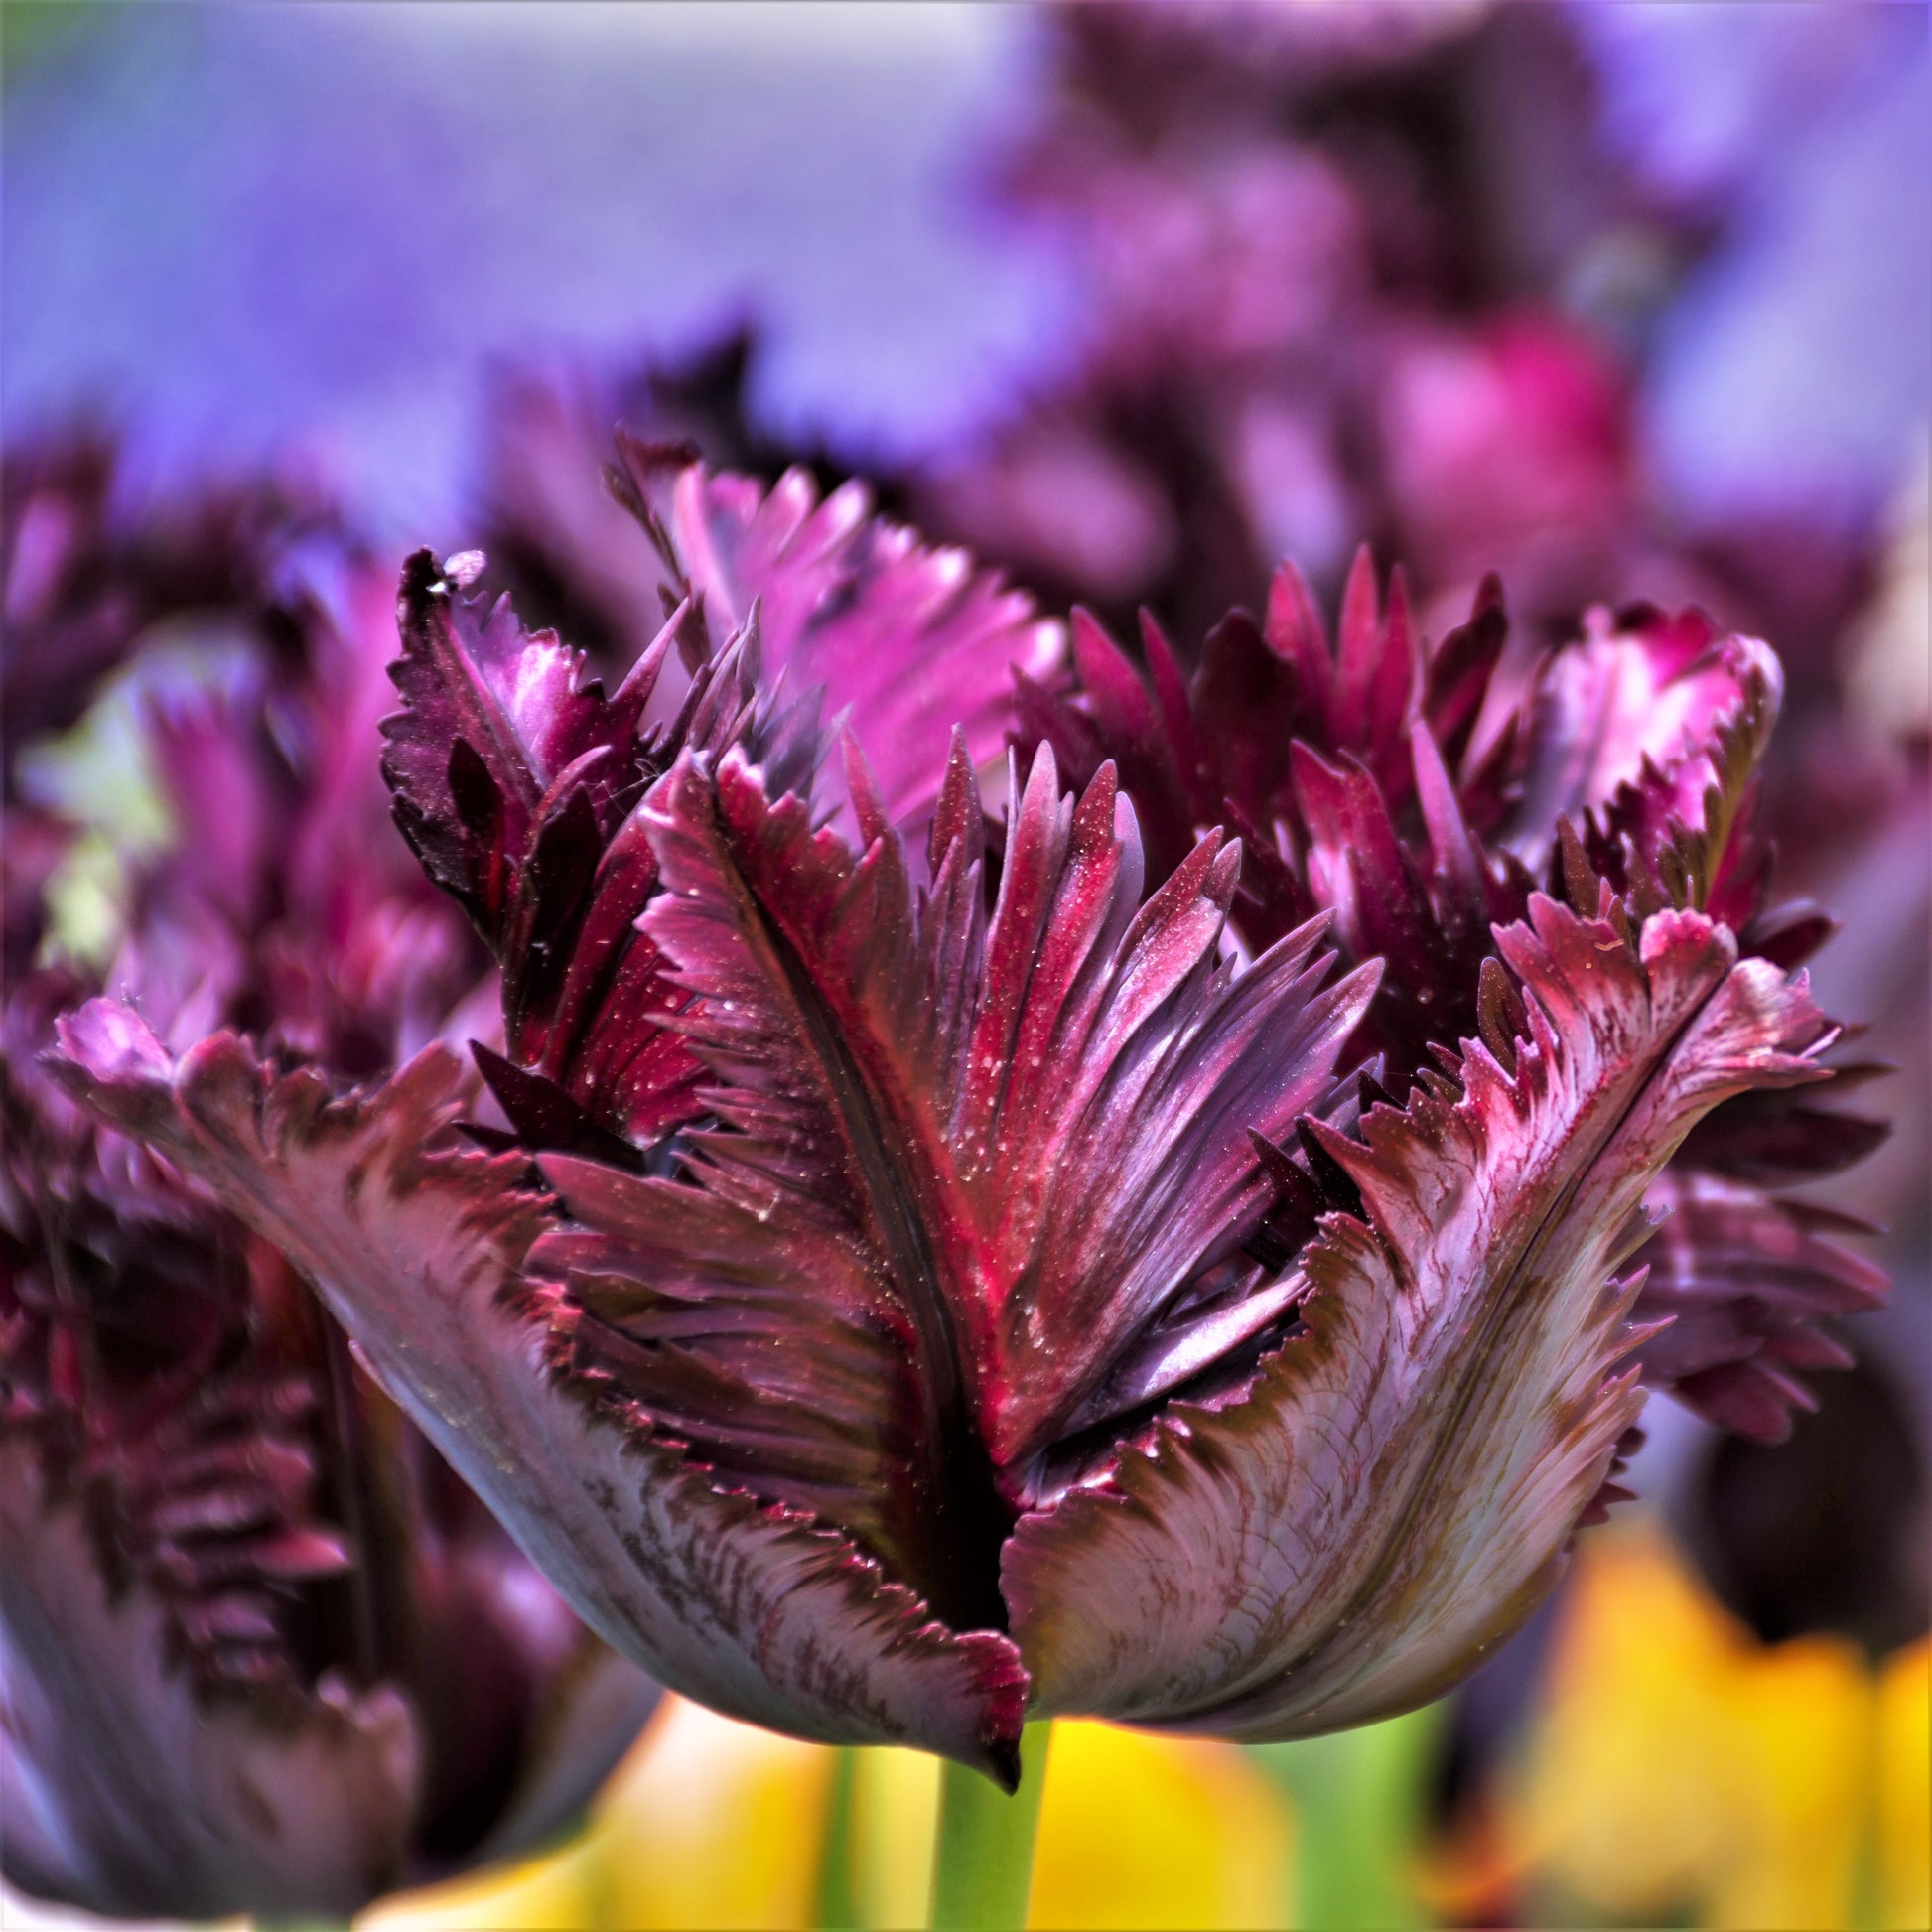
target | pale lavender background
[{"x": 241, "y": 226}]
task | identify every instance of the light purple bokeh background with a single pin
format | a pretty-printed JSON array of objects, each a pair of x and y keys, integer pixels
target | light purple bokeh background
[{"x": 241, "y": 228}]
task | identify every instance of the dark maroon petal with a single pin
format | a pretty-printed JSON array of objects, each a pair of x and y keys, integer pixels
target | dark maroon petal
[
  {"x": 1226, "y": 750},
  {"x": 516, "y": 781},
  {"x": 274, "y": 1543},
  {"x": 493, "y": 718},
  {"x": 1248, "y": 704},
  {"x": 758, "y": 1610},
  {"x": 120, "y": 1782},
  {"x": 1378, "y": 668},
  {"x": 542, "y": 1115},
  {"x": 1425, "y": 906},
  {"x": 464, "y": 782},
  {"x": 586, "y": 1715},
  {"x": 1775, "y": 1139},
  {"x": 1038, "y": 1124},
  {"x": 1459, "y": 673},
  {"x": 1751, "y": 1398},
  {"x": 1789, "y": 935},
  {"x": 1125, "y": 724},
  {"x": 1744, "y": 1278},
  {"x": 764, "y": 1345},
  {"x": 1394, "y": 1490}
]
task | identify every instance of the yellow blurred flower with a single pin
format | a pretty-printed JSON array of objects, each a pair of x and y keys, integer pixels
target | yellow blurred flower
[
  {"x": 717, "y": 1825},
  {"x": 1682, "y": 1768},
  {"x": 1679, "y": 1771},
  {"x": 1140, "y": 1831}
]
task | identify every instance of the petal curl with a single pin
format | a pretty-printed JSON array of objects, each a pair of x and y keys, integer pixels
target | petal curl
[
  {"x": 758, "y": 1610},
  {"x": 1396, "y": 1490}
]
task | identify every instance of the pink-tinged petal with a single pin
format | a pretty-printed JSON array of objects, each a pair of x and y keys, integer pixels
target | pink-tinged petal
[
  {"x": 757, "y": 1609},
  {"x": 1393, "y": 1490},
  {"x": 1630, "y": 726},
  {"x": 911, "y": 639}
]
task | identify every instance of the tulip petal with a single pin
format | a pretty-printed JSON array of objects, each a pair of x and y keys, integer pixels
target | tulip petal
[
  {"x": 1036, "y": 1127},
  {"x": 911, "y": 641},
  {"x": 516, "y": 779},
  {"x": 1744, "y": 1278},
  {"x": 1394, "y": 1490},
  {"x": 1219, "y": 750},
  {"x": 1638, "y": 725},
  {"x": 757, "y": 1609},
  {"x": 124, "y": 1791}
]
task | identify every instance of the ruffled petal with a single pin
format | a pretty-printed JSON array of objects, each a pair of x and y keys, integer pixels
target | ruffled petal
[
  {"x": 758, "y": 1610},
  {"x": 1745, "y": 1280},
  {"x": 911, "y": 641},
  {"x": 1038, "y": 1124},
  {"x": 1396, "y": 1489}
]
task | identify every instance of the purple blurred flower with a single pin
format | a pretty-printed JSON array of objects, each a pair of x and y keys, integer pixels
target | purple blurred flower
[
  {"x": 928, "y": 1269},
  {"x": 1356, "y": 273},
  {"x": 264, "y": 1652}
]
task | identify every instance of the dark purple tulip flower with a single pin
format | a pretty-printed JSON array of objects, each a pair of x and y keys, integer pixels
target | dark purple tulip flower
[
  {"x": 1425, "y": 800},
  {"x": 933, "y": 1266},
  {"x": 263, "y": 1651}
]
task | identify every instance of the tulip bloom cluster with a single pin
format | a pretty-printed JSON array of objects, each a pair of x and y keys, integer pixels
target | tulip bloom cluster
[{"x": 919, "y": 1265}]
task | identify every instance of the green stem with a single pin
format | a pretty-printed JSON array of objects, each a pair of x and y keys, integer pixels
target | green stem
[
  {"x": 1360, "y": 1798},
  {"x": 835, "y": 1902},
  {"x": 983, "y": 1865}
]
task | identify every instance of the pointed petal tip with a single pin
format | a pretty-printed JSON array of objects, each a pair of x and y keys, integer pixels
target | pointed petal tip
[{"x": 1002, "y": 1762}]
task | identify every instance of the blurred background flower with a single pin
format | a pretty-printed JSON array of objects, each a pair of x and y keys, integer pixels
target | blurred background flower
[
  {"x": 1618, "y": 297},
  {"x": 263, "y": 1650}
]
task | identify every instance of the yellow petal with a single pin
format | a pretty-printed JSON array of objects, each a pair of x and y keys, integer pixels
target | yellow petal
[
  {"x": 1626, "y": 1803},
  {"x": 546, "y": 1894},
  {"x": 709, "y": 1825},
  {"x": 1801, "y": 1721},
  {"x": 1905, "y": 1789},
  {"x": 1140, "y": 1831},
  {"x": 1680, "y": 1770}
]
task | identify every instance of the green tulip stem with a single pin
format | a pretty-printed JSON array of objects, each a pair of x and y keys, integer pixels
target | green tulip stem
[
  {"x": 983, "y": 1865},
  {"x": 835, "y": 1906},
  {"x": 1360, "y": 1800}
]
